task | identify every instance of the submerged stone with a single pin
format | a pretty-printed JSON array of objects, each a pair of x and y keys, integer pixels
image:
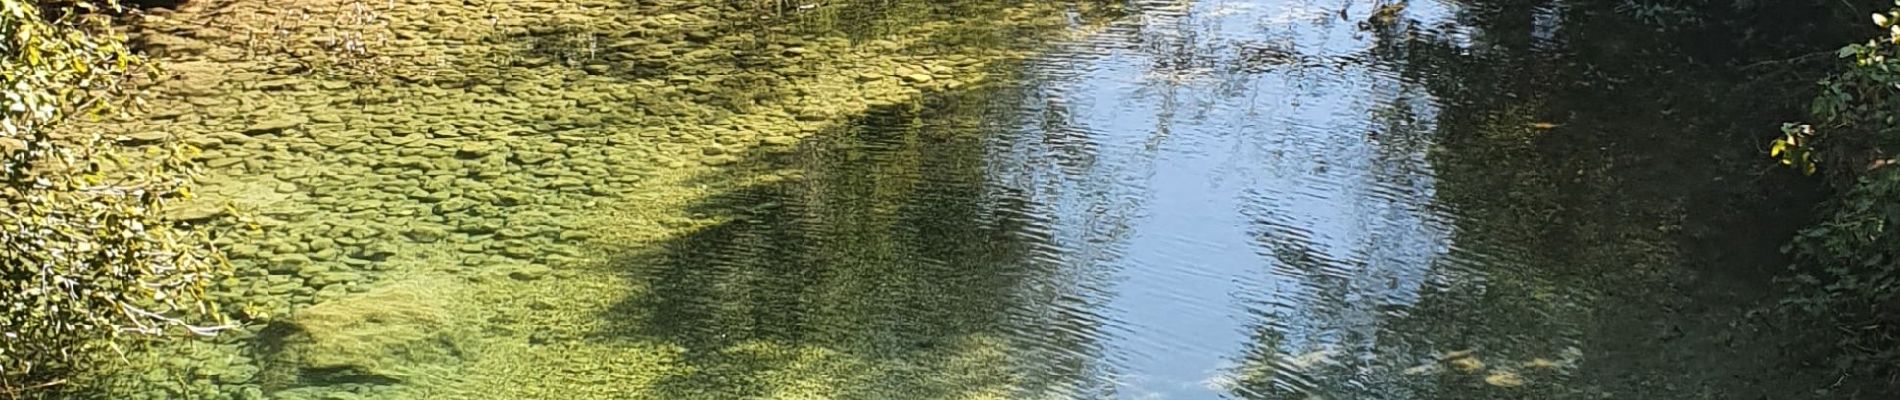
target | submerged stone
[
  {"x": 275, "y": 125},
  {"x": 719, "y": 160},
  {"x": 426, "y": 234},
  {"x": 321, "y": 243},
  {"x": 541, "y": 305},
  {"x": 220, "y": 163},
  {"x": 204, "y": 143},
  {"x": 147, "y": 137},
  {"x": 382, "y": 336},
  {"x": 573, "y": 235},
  {"x": 474, "y": 150},
  {"x": 532, "y": 158},
  {"x": 778, "y": 141},
  {"x": 195, "y": 212},
  {"x": 518, "y": 249},
  {"x": 530, "y": 272},
  {"x": 1467, "y": 364},
  {"x": 1504, "y": 379},
  {"x": 1542, "y": 363}
]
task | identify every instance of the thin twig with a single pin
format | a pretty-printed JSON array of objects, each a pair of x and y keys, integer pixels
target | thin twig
[
  {"x": 13, "y": 392},
  {"x": 1788, "y": 60}
]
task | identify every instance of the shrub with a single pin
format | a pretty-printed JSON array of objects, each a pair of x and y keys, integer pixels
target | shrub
[
  {"x": 1845, "y": 264},
  {"x": 87, "y": 255}
]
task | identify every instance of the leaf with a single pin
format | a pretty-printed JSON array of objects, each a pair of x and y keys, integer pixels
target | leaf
[{"x": 1848, "y": 50}]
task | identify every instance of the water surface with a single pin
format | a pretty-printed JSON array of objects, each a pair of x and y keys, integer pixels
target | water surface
[{"x": 1150, "y": 200}]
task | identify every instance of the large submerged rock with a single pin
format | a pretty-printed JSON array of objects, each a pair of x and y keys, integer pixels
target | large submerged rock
[{"x": 384, "y": 336}]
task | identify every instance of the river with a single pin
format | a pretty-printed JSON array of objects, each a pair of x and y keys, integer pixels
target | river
[{"x": 1280, "y": 199}]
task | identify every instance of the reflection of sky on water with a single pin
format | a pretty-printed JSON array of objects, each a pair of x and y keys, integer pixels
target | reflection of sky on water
[{"x": 1221, "y": 166}]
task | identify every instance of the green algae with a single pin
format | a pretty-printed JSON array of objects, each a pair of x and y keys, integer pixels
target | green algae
[
  {"x": 391, "y": 333},
  {"x": 437, "y": 226}
]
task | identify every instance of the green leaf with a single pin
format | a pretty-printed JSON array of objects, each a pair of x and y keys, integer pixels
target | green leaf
[{"x": 1848, "y": 50}]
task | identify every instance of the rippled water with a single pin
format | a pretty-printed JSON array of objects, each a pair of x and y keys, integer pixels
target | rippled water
[
  {"x": 1223, "y": 199},
  {"x": 1204, "y": 200},
  {"x": 1282, "y": 199}
]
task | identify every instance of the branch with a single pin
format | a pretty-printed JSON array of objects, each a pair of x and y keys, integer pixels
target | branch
[
  {"x": 15, "y": 392},
  {"x": 1789, "y": 60},
  {"x": 142, "y": 328}
]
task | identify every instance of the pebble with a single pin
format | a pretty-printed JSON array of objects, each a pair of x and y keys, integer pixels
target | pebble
[
  {"x": 474, "y": 150},
  {"x": 1467, "y": 364},
  {"x": 196, "y": 211},
  {"x": 286, "y": 263},
  {"x": 146, "y": 137},
  {"x": 1504, "y": 379},
  {"x": 223, "y": 162},
  {"x": 275, "y": 125},
  {"x": 719, "y": 160},
  {"x": 530, "y": 272},
  {"x": 425, "y": 234},
  {"x": 205, "y": 143}
]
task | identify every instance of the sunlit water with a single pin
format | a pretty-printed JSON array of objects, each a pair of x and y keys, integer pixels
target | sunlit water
[
  {"x": 1184, "y": 200},
  {"x": 1214, "y": 199}
]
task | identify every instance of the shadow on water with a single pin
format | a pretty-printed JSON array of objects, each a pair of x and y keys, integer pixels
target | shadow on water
[
  {"x": 1619, "y": 202},
  {"x": 873, "y": 260}
]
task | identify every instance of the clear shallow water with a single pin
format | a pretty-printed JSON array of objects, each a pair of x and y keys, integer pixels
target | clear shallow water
[
  {"x": 1172, "y": 200},
  {"x": 1234, "y": 199}
]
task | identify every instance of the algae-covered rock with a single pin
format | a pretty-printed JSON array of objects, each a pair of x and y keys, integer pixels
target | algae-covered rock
[
  {"x": 778, "y": 141},
  {"x": 518, "y": 249},
  {"x": 196, "y": 211},
  {"x": 454, "y": 205},
  {"x": 529, "y": 272},
  {"x": 275, "y": 125},
  {"x": 474, "y": 150},
  {"x": 382, "y": 336},
  {"x": 426, "y": 233},
  {"x": 204, "y": 143},
  {"x": 719, "y": 160},
  {"x": 146, "y": 137}
]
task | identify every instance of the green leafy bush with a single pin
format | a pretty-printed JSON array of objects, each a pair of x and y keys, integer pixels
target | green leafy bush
[
  {"x": 1855, "y": 111},
  {"x": 1844, "y": 270},
  {"x": 86, "y": 253}
]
